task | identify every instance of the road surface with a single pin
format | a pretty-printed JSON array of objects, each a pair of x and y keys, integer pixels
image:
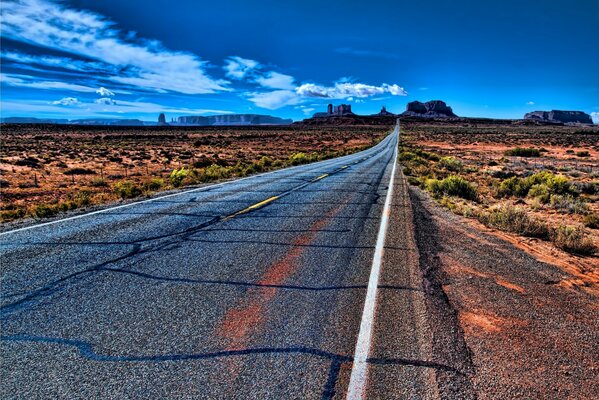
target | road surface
[{"x": 254, "y": 288}]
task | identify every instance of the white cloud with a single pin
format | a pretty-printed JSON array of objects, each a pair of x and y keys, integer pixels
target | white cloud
[
  {"x": 93, "y": 110},
  {"x": 237, "y": 67},
  {"x": 366, "y": 53},
  {"x": 143, "y": 63},
  {"x": 35, "y": 83},
  {"x": 308, "y": 110},
  {"x": 530, "y": 103},
  {"x": 67, "y": 101},
  {"x": 104, "y": 92},
  {"x": 105, "y": 100},
  {"x": 595, "y": 117},
  {"x": 343, "y": 90},
  {"x": 275, "y": 80},
  {"x": 275, "y": 99},
  {"x": 58, "y": 62}
]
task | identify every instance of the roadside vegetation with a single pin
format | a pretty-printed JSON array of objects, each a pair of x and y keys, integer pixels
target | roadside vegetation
[
  {"x": 483, "y": 177},
  {"x": 47, "y": 171}
]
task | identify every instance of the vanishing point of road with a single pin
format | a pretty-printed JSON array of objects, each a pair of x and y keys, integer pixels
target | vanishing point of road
[{"x": 300, "y": 283}]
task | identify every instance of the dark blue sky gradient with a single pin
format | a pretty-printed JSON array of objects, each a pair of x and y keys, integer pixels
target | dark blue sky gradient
[{"x": 483, "y": 58}]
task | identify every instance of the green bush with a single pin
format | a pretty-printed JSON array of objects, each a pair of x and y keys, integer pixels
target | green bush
[
  {"x": 153, "y": 184},
  {"x": 98, "y": 182},
  {"x": 591, "y": 221},
  {"x": 452, "y": 186},
  {"x": 126, "y": 189},
  {"x": 514, "y": 219},
  {"x": 177, "y": 175},
  {"x": 450, "y": 164},
  {"x": 520, "y": 187},
  {"x": 573, "y": 239},
  {"x": 9, "y": 215},
  {"x": 523, "y": 152},
  {"x": 568, "y": 203},
  {"x": 44, "y": 210},
  {"x": 583, "y": 153}
]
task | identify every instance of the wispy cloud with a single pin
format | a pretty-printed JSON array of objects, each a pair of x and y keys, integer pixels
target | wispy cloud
[
  {"x": 275, "y": 99},
  {"x": 366, "y": 53},
  {"x": 238, "y": 68},
  {"x": 36, "y": 83},
  {"x": 275, "y": 80},
  {"x": 141, "y": 63},
  {"x": 530, "y": 103},
  {"x": 595, "y": 117}
]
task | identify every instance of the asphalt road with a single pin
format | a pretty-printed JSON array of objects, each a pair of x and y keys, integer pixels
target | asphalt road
[{"x": 250, "y": 289}]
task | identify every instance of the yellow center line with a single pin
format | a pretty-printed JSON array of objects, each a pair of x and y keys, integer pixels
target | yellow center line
[
  {"x": 320, "y": 177},
  {"x": 252, "y": 207}
]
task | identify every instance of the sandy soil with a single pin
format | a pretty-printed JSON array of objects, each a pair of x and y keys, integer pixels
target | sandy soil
[{"x": 529, "y": 318}]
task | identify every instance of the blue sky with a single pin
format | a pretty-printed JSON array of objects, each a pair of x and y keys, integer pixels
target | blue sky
[{"x": 135, "y": 59}]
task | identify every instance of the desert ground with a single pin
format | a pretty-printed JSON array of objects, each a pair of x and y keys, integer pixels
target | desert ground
[{"x": 49, "y": 169}]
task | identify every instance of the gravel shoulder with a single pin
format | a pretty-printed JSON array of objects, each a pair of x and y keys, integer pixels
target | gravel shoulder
[{"x": 499, "y": 314}]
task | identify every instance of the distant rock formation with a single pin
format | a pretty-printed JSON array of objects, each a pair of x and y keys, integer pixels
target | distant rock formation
[
  {"x": 558, "y": 116},
  {"x": 384, "y": 113},
  {"x": 32, "y": 120},
  {"x": 232, "y": 119},
  {"x": 341, "y": 110},
  {"x": 430, "y": 109},
  {"x": 162, "y": 120}
]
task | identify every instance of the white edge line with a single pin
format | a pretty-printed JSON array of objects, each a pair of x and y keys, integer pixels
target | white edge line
[
  {"x": 358, "y": 379},
  {"x": 199, "y": 189}
]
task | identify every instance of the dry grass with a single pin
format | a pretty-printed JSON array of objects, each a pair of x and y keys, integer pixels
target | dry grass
[
  {"x": 45, "y": 169},
  {"x": 514, "y": 193}
]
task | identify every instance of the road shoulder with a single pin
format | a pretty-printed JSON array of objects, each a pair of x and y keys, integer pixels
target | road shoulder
[{"x": 497, "y": 314}]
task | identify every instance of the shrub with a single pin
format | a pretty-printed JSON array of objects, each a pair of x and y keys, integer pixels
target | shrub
[
  {"x": 79, "y": 171},
  {"x": 583, "y": 153},
  {"x": 567, "y": 203},
  {"x": 523, "y": 152},
  {"x": 591, "y": 221},
  {"x": 9, "y": 215},
  {"x": 520, "y": 187},
  {"x": 573, "y": 239},
  {"x": 153, "y": 184},
  {"x": 514, "y": 219},
  {"x": 44, "y": 211},
  {"x": 126, "y": 189},
  {"x": 98, "y": 182},
  {"x": 450, "y": 164},
  {"x": 452, "y": 186},
  {"x": 176, "y": 177}
]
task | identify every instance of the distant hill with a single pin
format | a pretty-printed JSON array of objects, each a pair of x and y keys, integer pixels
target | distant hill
[
  {"x": 89, "y": 121},
  {"x": 231, "y": 119}
]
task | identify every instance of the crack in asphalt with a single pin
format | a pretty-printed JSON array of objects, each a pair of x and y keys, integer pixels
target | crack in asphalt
[
  {"x": 86, "y": 350},
  {"x": 184, "y": 235}
]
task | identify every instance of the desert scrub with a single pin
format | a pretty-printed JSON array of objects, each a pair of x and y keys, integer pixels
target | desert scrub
[
  {"x": 177, "y": 175},
  {"x": 568, "y": 203},
  {"x": 545, "y": 183},
  {"x": 153, "y": 184},
  {"x": 583, "y": 153},
  {"x": 11, "y": 214},
  {"x": 126, "y": 189},
  {"x": 514, "y": 219},
  {"x": 523, "y": 152},
  {"x": 44, "y": 210},
  {"x": 453, "y": 185},
  {"x": 450, "y": 164},
  {"x": 79, "y": 171},
  {"x": 573, "y": 239},
  {"x": 591, "y": 221}
]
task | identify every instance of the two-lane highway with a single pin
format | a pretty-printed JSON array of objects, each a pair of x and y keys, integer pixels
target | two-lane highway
[{"x": 254, "y": 288}]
